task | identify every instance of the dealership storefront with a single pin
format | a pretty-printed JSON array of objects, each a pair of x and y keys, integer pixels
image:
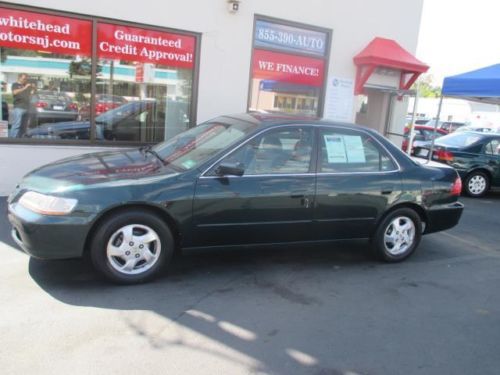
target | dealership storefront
[{"x": 88, "y": 77}]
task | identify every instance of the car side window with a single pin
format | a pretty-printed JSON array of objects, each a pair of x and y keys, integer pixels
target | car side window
[
  {"x": 346, "y": 151},
  {"x": 278, "y": 151},
  {"x": 492, "y": 147}
]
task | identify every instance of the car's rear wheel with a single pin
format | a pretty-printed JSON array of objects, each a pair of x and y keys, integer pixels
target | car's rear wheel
[
  {"x": 131, "y": 247},
  {"x": 398, "y": 235},
  {"x": 476, "y": 184}
]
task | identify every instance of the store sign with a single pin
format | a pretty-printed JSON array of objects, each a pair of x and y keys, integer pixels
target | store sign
[
  {"x": 119, "y": 42},
  {"x": 287, "y": 68},
  {"x": 44, "y": 33},
  {"x": 289, "y": 38}
]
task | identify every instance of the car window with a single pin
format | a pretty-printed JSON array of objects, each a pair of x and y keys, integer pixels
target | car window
[
  {"x": 492, "y": 147},
  {"x": 344, "y": 151},
  {"x": 279, "y": 151},
  {"x": 195, "y": 146}
]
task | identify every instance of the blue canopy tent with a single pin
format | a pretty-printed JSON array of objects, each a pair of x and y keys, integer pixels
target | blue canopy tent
[{"x": 482, "y": 85}]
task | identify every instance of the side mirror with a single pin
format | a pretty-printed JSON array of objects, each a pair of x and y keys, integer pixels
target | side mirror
[{"x": 230, "y": 169}]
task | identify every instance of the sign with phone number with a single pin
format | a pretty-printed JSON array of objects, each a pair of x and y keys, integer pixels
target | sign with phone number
[{"x": 289, "y": 38}]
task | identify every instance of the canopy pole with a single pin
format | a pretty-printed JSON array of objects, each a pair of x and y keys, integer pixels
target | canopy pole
[
  {"x": 435, "y": 126},
  {"x": 412, "y": 124}
]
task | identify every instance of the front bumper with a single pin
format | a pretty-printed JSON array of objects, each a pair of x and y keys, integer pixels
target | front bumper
[
  {"x": 443, "y": 217},
  {"x": 48, "y": 237}
]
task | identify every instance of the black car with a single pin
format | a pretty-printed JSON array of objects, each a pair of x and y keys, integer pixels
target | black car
[
  {"x": 139, "y": 120},
  {"x": 475, "y": 155},
  {"x": 52, "y": 106},
  {"x": 233, "y": 181}
]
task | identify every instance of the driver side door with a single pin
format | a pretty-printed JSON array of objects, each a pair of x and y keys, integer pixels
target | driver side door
[{"x": 272, "y": 202}]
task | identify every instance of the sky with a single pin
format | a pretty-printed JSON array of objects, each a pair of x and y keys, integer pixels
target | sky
[{"x": 457, "y": 36}]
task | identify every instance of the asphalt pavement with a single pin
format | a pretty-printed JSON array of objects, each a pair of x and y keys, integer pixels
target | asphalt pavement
[{"x": 290, "y": 310}]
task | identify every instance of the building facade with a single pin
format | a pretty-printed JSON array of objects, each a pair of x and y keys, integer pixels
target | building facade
[{"x": 87, "y": 76}]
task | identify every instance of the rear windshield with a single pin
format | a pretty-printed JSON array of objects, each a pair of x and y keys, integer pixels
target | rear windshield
[{"x": 460, "y": 139}]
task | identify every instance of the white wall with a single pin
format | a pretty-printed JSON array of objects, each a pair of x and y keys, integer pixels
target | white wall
[{"x": 226, "y": 46}]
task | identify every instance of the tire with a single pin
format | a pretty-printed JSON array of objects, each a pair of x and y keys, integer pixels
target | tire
[
  {"x": 131, "y": 247},
  {"x": 395, "y": 244},
  {"x": 476, "y": 184}
]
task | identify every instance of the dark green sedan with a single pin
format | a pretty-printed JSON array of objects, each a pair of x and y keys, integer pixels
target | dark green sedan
[
  {"x": 475, "y": 156},
  {"x": 233, "y": 181}
]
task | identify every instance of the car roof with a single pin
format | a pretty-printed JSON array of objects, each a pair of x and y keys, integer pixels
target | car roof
[{"x": 263, "y": 120}]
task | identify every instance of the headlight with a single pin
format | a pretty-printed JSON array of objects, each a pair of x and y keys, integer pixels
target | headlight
[{"x": 47, "y": 204}]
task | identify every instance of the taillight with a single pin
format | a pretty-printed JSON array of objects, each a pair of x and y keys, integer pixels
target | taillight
[
  {"x": 456, "y": 188},
  {"x": 101, "y": 108},
  {"x": 41, "y": 104},
  {"x": 443, "y": 155},
  {"x": 73, "y": 107}
]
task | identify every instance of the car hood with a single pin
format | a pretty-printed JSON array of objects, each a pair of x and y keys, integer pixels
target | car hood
[{"x": 112, "y": 168}]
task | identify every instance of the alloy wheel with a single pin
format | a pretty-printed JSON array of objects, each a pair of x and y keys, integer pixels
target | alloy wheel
[
  {"x": 133, "y": 249},
  {"x": 477, "y": 184},
  {"x": 399, "y": 235}
]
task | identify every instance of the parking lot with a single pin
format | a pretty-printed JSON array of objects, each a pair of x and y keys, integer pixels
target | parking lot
[{"x": 298, "y": 310}]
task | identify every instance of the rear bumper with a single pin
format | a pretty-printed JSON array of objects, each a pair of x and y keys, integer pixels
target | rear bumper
[
  {"x": 47, "y": 237},
  {"x": 443, "y": 217}
]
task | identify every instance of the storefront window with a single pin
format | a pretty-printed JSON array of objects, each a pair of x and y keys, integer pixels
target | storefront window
[
  {"x": 45, "y": 69},
  {"x": 137, "y": 87},
  {"x": 143, "y": 83},
  {"x": 288, "y": 68}
]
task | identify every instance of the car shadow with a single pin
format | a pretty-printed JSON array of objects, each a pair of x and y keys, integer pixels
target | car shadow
[{"x": 235, "y": 297}]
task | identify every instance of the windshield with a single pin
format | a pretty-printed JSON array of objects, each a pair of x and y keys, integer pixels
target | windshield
[
  {"x": 193, "y": 147},
  {"x": 460, "y": 139}
]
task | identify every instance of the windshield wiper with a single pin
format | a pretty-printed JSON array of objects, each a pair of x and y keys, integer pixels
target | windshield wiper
[{"x": 149, "y": 150}]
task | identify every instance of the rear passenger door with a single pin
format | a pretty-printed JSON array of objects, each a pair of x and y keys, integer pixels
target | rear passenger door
[{"x": 357, "y": 180}]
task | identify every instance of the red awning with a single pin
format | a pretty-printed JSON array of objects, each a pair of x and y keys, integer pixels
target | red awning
[{"x": 387, "y": 53}]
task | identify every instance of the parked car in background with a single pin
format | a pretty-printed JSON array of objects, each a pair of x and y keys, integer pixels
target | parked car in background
[
  {"x": 103, "y": 103},
  {"x": 428, "y": 122},
  {"x": 482, "y": 128},
  {"x": 422, "y": 135},
  {"x": 451, "y": 126},
  {"x": 475, "y": 155},
  {"x": 53, "y": 106},
  {"x": 236, "y": 180},
  {"x": 133, "y": 121}
]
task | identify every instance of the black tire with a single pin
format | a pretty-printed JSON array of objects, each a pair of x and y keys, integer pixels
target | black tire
[
  {"x": 108, "y": 228},
  {"x": 382, "y": 249},
  {"x": 478, "y": 189}
]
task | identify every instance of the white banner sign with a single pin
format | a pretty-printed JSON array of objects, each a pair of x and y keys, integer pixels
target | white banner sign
[{"x": 339, "y": 101}]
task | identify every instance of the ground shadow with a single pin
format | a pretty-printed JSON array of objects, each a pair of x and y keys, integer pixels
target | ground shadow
[{"x": 260, "y": 282}]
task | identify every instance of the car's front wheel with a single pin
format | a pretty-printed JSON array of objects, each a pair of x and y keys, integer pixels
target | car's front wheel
[
  {"x": 398, "y": 235},
  {"x": 131, "y": 246},
  {"x": 476, "y": 184}
]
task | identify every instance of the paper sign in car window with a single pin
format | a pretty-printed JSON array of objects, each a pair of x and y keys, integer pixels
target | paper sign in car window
[
  {"x": 335, "y": 149},
  {"x": 354, "y": 149}
]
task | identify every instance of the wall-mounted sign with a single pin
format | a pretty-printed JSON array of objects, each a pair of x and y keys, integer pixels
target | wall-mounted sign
[
  {"x": 45, "y": 33},
  {"x": 289, "y": 38},
  {"x": 339, "y": 101},
  {"x": 148, "y": 46},
  {"x": 288, "y": 68}
]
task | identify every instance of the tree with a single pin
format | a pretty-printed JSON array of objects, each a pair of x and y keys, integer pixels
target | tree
[{"x": 426, "y": 86}]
